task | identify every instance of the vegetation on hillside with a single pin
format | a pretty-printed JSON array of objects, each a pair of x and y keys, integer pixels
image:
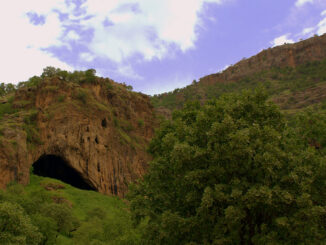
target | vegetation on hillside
[
  {"x": 79, "y": 77},
  {"x": 286, "y": 86},
  {"x": 48, "y": 211},
  {"x": 76, "y": 85},
  {"x": 233, "y": 172}
]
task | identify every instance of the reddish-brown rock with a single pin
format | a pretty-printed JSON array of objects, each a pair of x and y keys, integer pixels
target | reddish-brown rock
[
  {"x": 287, "y": 55},
  {"x": 100, "y": 132}
]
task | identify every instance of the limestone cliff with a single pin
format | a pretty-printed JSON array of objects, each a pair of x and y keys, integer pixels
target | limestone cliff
[
  {"x": 287, "y": 55},
  {"x": 100, "y": 129},
  {"x": 291, "y": 73}
]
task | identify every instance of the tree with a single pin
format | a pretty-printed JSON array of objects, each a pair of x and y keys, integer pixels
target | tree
[
  {"x": 16, "y": 227},
  {"x": 50, "y": 71},
  {"x": 34, "y": 81},
  {"x": 231, "y": 172},
  {"x": 62, "y": 215},
  {"x": 90, "y": 76},
  {"x": 2, "y": 89},
  {"x": 311, "y": 128}
]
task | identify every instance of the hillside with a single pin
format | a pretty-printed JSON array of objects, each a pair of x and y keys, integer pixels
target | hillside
[
  {"x": 66, "y": 215},
  {"x": 293, "y": 74},
  {"x": 98, "y": 131}
]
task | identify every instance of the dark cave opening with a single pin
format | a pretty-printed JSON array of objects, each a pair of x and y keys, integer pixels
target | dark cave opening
[{"x": 56, "y": 167}]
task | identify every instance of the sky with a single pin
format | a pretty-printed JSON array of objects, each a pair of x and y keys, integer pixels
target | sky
[{"x": 153, "y": 45}]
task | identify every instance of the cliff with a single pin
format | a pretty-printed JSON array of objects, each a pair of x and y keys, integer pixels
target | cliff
[
  {"x": 287, "y": 55},
  {"x": 98, "y": 129},
  {"x": 290, "y": 73}
]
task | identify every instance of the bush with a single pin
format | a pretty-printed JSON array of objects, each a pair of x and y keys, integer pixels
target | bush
[
  {"x": 90, "y": 76},
  {"x": 61, "y": 98},
  {"x": 82, "y": 96},
  {"x": 141, "y": 123},
  {"x": 7, "y": 108},
  {"x": 16, "y": 226}
]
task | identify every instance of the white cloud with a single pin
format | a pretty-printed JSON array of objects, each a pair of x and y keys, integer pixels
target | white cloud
[
  {"x": 300, "y": 3},
  {"x": 307, "y": 31},
  {"x": 72, "y": 35},
  {"x": 88, "y": 57},
  {"x": 21, "y": 42},
  {"x": 148, "y": 31},
  {"x": 281, "y": 40},
  {"x": 147, "y": 28},
  {"x": 321, "y": 27},
  {"x": 164, "y": 85},
  {"x": 128, "y": 72}
]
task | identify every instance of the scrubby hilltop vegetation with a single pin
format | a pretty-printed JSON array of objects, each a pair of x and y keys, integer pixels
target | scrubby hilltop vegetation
[
  {"x": 290, "y": 88},
  {"x": 78, "y": 77},
  {"x": 294, "y": 76}
]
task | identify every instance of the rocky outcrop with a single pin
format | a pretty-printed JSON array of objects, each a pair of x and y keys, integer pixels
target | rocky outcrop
[
  {"x": 287, "y": 55},
  {"x": 101, "y": 130}
]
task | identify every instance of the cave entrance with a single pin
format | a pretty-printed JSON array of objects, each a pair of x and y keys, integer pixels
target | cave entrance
[{"x": 56, "y": 167}]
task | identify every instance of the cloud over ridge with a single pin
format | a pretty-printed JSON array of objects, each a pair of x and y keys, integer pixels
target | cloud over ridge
[{"x": 116, "y": 30}]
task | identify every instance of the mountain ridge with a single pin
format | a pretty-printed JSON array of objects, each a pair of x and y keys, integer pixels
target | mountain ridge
[{"x": 287, "y": 56}]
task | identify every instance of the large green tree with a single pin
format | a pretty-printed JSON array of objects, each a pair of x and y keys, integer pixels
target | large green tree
[
  {"x": 231, "y": 172},
  {"x": 16, "y": 227}
]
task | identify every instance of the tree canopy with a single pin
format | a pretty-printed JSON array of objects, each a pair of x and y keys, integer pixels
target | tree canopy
[{"x": 231, "y": 172}]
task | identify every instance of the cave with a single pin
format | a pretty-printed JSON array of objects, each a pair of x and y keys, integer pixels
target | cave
[{"x": 56, "y": 167}]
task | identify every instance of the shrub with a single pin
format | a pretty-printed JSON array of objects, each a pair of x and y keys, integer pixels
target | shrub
[
  {"x": 141, "y": 123},
  {"x": 90, "y": 76},
  {"x": 61, "y": 98},
  {"x": 16, "y": 226},
  {"x": 7, "y": 108},
  {"x": 82, "y": 96}
]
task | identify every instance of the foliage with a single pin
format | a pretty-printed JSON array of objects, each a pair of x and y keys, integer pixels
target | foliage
[
  {"x": 16, "y": 226},
  {"x": 82, "y": 96},
  {"x": 141, "y": 123},
  {"x": 310, "y": 127},
  {"x": 61, "y": 98},
  {"x": 29, "y": 215},
  {"x": 7, "y": 108},
  {"x": 30, "y": 128},
  {"x": 231, "y": 172},
  {"x": 276, "y": 80},
  {"x": 90, "y": 76},
  {"x": 6, "y": 88}
]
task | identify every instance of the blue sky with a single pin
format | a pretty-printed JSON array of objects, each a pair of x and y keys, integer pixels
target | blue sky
[{"x": 153, "y": 45}]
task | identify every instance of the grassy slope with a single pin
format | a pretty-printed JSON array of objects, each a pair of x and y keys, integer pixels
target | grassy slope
[{"x": 83, "y": 202}]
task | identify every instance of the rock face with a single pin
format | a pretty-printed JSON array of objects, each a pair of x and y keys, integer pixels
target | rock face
[
  {"x": 100, "y": 131},
  {"x": 273, "y": 66},
  {"x": 287, "y": 55}
]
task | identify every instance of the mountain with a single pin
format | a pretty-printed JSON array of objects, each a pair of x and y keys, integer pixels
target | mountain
[
  {"x": 293, "y": 74},
  {"x": 95, "y": 130},
  {"x": 92, "y": 132}
]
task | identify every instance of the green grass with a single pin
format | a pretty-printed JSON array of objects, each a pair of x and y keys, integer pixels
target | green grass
[
  {"x": 82, "y": 200},
  {"x": 117, "y": 227}
]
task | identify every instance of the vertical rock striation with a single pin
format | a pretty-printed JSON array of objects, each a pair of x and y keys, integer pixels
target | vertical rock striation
[{"x": 101, "y": 131}]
